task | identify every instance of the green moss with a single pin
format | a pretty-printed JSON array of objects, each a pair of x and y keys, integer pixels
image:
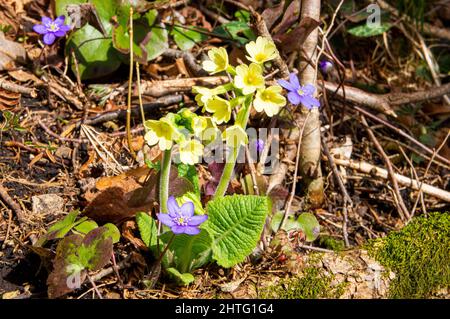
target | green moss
[
  {"x": 313, "y": 284},
  {"x": 418, "y": 255},
  {"x": 329, "y": 242}
]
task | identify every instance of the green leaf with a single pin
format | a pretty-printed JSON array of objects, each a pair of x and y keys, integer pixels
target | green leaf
[
  {"x": 190, "y": 173},
  {"x": 236, "y": 30},
  {"x": 61, "y": 228},
  {"x": 95, "y": 55},
  {"x": 158, "y": 38},
  {"x": 86, "y": 226},
  {"x": 182, "y": 279},
  {"x": 186, "y": 252},
  {"x": 187, "y": 37},
  {"x": 147, "y": 228},
  {"x": 96, "y": 249},
  {"x": 290, "y": 224},
  {"x": 113, "y": 232},
  {"x": 366, "y": 31},
  {"x": 309, "y": 225},
  {"x": 235, "y": 223}
]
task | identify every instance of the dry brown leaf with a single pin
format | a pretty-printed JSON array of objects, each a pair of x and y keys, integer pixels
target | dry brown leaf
[
  {"x": 8, "y": 99},
  {"x": 10, "y": 52}
]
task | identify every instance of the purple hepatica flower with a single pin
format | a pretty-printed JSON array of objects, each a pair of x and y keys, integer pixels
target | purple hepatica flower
[
  {"x": 325, "y": 66},
  {"x": 52, "y": 29},
  {"x": 259, "y": 145},
  {"x": 181, "y": 220},
  {"x": 300, "y": 93}
]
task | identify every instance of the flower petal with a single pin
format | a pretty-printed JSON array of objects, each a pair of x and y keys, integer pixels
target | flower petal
[
  {"x": 172, "y": 206},
  {"x": 177, "y": 229},
  {"x": 59, "y": 33},
  {"x": 187, "y": 209},
  {"x": 59, "y": 21},
  {"x": 308, "y": 89},
  {"x": 288, "y": 86},
  {"x": 294, "y": 98},
  {"x": 65, "y": 28},
  {"x": 39, "y": 28},
  {"x": 197, "y": 220},
  {"x": 191, "y": 230},
  {"x": 49, "y": 38},
  {"x": 166, "y": 219},
  {"x": 46, "y": 20},
  {"x": 309, "y": 102},
  {"x": 294, "y": 80}
]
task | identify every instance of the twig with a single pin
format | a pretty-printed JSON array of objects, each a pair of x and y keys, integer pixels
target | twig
[
  {"x": 121, "y": 114},
  {"x": 161, "y": 88},
  {"x": 402, "y": 133},
  {"x": 189, "y": 61},
  {"x": 11, "y": 203},
  {"x": 403, "y": 211},
  {"x": 94, "y": 286},
  {"x": 62, "y": 139},
  {"x": 294, "y": 183},
  {"x": 403, "y": 180},
  {"x": 213, "y": 15},
  {"x": 13, "y": 87}
]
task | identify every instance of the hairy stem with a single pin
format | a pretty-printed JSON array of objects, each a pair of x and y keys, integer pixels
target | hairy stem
[
  {"x": 232, "y": 157},
  {"x": 130, "y": 80},
  {"x": 164, "y": 180}
]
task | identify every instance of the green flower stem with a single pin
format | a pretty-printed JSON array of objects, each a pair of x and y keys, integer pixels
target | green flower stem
[
  {"x": 164, "y": 180},
  {"x": 232, "y": 157},
  {"x": 165, "y": 249}
]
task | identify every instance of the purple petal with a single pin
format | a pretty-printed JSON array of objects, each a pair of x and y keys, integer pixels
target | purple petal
[
  {"x": 65, "y": 28},
  {"x": 197, "y": 220},
  {"x": 294, "y": 98},
  {"x": 59, "y": 21},
  {"x": 308, "y": 89},
  {"x": 288, "y": 86},
  {"x": 294, "y": 81},
  {"x": 172, "y": 206},
  {"x": 49, "y": 38},
  {"x": 177, "y": 229},
  {"x": 166, "y": 219},
  {"x": 191, "y": 230},
  {"x": 59, "y": 33},
  {"x": 46, "y": 20},
  {"x": 187, "y": 209},
  {"x": 39, "y": 28},
  {"x": 309, "y": 102}
]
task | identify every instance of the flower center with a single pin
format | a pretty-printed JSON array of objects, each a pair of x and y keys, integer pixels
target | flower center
[
  {"x": 181, "y": 221},
  {"x": 300, "y": 92},
  {"x": 260, "y": 57},
  {"x": 52, "y": 27}
]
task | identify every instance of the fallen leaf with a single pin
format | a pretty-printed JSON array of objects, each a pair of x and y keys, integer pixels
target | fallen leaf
[
  {"x": 10, "y": 52},
  {"x": 271, "y": 15},
  {"x": 293, "y": 40}
]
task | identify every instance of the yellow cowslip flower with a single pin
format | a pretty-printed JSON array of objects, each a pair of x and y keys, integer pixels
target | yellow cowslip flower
[
  {"x": 220, "y": 108},
  {"x": 249, "y": 78},
  {"x": 203, "y": 94},
  {"x": 162, "y": 132},
  {"x": 205, "y": 129},
  {"x": 190, "y": 151},
  {"x": 270, "y": 100},
  {"x": 218, "y": 61},
  {"x": 261, "y": 51},
  {"x": 235, "y": 136}
]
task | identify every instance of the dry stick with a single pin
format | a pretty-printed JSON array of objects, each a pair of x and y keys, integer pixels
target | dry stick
[
  {"x": 310, "y": 167},
  {"x": 403, "y": 180},
  {"x": 426, "y": 172},
  {"x": 402, "y": 133},
  {"x": 130, "y": 81},
  {"x": 294, "y": 183},
  {"x": 404, "y": 213},
  {"x": 189, "y": 61},
  {"x": 11, "y": 203},
  {"x": 347, "y": 198},
  {"x": 62, "y": 139},
  {"x": 420, "y": 195},
  {"x": 161, "y": 88},
  {"x": 15, "y": 88}
]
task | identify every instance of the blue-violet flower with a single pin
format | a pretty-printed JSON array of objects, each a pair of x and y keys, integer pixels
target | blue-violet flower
[
  {"x": 181, "y": 220},
  {"x": 300, "y": 93},
  {"x": 51, "y": 29}
]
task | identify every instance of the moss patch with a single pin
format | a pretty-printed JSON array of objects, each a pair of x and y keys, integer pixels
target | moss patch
[
  {"x": 313, "y": 284},
  {"x": 418, "y": 255}
]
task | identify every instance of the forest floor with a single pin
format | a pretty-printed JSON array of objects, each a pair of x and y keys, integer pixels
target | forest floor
[{"x": 62, "y": 142}]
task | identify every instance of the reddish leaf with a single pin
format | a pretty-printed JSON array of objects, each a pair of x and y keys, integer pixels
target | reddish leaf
[
  {"x": 293, "y": 40},
  {"x": 291, "y": 16},
  {"x": 271, "y": 15}
]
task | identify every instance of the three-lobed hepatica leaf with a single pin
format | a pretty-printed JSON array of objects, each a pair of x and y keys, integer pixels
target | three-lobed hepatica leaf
[
  {"x": 75, "y": 255},
  {"x": 187, "y": 37},
  {"x": 365, "y": 30},
  {"x": 306, "y": 222},
  {"x": 235, "y": 223}
]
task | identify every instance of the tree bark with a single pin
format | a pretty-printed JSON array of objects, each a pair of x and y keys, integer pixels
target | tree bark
[{"x": 310, "y": 146}]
